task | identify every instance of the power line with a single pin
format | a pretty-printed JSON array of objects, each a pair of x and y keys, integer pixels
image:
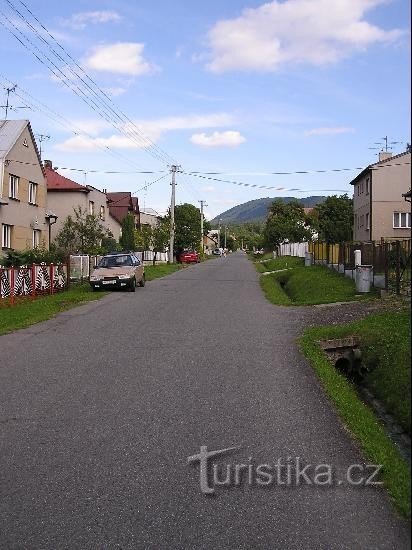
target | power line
[{"x": 120, "y": 122}]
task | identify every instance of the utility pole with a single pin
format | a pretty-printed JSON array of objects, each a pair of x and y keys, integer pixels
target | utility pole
[
  {"x": 202, "y": 205},
  {"x": 173, "y": 170},
  {"x": 226, "y": 228},
  {"x": 220, "y": 223}
]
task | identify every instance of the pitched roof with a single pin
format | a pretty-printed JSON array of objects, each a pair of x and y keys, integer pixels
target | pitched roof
[
  {"x": 56, "y": 182},
  {"x": 10, "y": 131},
  {"x": 120, "y": 198},
  {"x": 376, "y": 165}
]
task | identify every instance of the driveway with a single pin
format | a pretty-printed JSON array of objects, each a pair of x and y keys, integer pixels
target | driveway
[{"x": 101, "y": 407}]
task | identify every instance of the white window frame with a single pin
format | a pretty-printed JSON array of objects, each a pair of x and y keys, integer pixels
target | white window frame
[
  {"x": 399, "y": 225},
  {"x": 6, "y": 235},
  {"x": 33, "y": 187},
  {"x": 91, "y": 208},
  {"x": 102, "y": 214},
  {"x": 36, "y": 238},
  {"x": 367, "y": 186},
  {"x": 367, "y": 221},
  {"x": 13, "y": 186}
]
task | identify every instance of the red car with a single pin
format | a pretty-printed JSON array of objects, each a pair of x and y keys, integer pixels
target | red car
[{"x": 189, "y": 256}]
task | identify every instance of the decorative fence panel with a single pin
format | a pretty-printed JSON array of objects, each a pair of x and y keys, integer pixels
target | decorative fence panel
[{"x": 32, "y": 281}]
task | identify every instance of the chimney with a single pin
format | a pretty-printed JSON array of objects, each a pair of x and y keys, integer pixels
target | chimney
[
  {"x": 48, "y": 164},
  {"x": 384, "y": 155},
  {"x": 105, "y": 191}
]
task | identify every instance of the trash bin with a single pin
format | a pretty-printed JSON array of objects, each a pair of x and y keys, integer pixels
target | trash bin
[
  {"x": 308, "y": 258},
  {"x": 364, "y": 278}
]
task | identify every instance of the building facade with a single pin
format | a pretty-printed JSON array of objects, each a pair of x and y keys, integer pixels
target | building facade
[
  {"x": 65, "y": 195},
  {"x": 23, "y": 196},
  {"x": 380, "y": 210}
]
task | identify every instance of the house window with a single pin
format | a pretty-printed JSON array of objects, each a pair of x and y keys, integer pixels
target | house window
[
  {"x": 36, "y": 238},
  {"x": 6, "y": 236},
  {"x": 367, "y": 186},
  {"x": 102, "y": 213},
  {"x": 32, "y": 193},
  {"x": 13, "y": 187},
  {"x": 91, "y": 208},
  {"x": 401, "y": 220},
  {"x": 358, "y": 188},
  {"x": 367, "y": 222}
]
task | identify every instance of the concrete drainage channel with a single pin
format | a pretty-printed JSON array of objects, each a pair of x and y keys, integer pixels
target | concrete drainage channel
[{"x": 346, "y": 356}]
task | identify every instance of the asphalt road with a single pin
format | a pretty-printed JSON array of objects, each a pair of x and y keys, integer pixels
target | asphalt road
[{"x": 101, "y": 407}]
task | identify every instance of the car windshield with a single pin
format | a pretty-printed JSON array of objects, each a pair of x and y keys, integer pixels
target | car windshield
[{"x": 115, "y": 261}]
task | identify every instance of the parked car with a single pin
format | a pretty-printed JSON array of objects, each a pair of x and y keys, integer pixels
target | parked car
[
  {"x": 189, "y": 256},
  {"x": 118, "y": 270},
  {"x": 216, "y": 252}
]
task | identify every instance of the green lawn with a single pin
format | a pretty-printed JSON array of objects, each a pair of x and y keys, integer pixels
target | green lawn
[
  {"x": 308, "y": 286},
  {"x": 383, "y": 336},
  {"x": 279, "y": 263},
  {"x": 28, "y": 312}
]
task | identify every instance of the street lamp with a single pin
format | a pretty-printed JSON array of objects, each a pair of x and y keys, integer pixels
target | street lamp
[{"x": 51, "y": 219}]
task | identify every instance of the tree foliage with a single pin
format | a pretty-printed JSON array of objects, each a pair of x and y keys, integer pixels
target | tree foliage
[
  {"x": 334, "y": 219},
  {"x": 128, "y": 233},
  {"x": 187, "y": 227},
  {"x": 81, "y": 233},
  {"x": 286, "y": 221}
]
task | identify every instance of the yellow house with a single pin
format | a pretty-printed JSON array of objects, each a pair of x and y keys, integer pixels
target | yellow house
[{"x": 23, "y": 215}]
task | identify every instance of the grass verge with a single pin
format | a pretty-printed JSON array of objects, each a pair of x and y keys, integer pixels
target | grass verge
[
  {"x": 359, "y": 419},
  {"x": 161, "y": 270},
  {"x": 283, "y": 262},
  {"x": 303, "y": 286},
  {"x": 28, "y": 312}
]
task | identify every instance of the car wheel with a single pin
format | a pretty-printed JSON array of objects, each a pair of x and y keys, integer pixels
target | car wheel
[
  {"x": 133, "y": 285},
  {"x": 142, "y": 281}
]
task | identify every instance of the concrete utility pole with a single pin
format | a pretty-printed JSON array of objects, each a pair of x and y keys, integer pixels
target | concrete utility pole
[
  {"x": 173, "y": 170},
  {"x": 220, "y": 224},
  {"x": 202, "y": 205},
  {"x": 226, "y": 228}
]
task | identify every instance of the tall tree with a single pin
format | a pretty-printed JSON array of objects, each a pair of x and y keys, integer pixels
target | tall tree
[
  {"x": 286, "y": 221},
  {"x": 335, "y": 219},
  {"x": 187, "y": 226},
  {"x": 160, "y": 236},
  {"x": 127, "y": 238}
]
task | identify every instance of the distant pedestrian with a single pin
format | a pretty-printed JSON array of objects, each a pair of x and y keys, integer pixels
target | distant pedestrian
[{"x": 221, "y": 251}]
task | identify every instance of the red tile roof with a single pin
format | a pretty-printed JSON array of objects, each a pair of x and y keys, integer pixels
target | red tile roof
[{"x": 56, "y": 182}]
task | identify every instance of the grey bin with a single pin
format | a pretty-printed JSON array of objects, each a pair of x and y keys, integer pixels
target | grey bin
[
  {"x": 308, "y": 258},
  {"x": 364, "y": 276}
]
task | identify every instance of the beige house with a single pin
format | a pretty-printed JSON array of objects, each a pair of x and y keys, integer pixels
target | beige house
[
  {"x": 64, "y": 195},
  {"x": 380, "y": 210},
  {"x": 23, "y": 214},
  {"x": 149, "y": 217}
]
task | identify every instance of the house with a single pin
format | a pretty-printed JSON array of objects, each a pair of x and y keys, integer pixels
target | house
[
  {"x": 64, "y": 195},
  {"x": 122, "y": 203},
  {"x": 380, "y": 211},
  {"x": 149, "y": 217},
  {"x": 209, "y": 243},
  {"x": 23, "y": 214}
]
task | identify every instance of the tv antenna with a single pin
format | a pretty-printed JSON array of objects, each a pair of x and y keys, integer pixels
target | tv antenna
[
  {"x": 41, "y": 138},
  {"x": 8, "y": 107},
  {"x": 385, "y": 145}
]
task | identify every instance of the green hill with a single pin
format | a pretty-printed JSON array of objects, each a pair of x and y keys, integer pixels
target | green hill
[{"x": 256, "y": 210}]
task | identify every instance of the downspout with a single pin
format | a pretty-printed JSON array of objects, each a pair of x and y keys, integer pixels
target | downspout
[{"x": 1, "y": 179}]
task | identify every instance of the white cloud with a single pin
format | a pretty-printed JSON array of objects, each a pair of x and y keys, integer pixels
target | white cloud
[
  {"x": 79, "y": 21},
  {"x": 152, "y": 129},
  {"x": 120, "y": 58},
  {"x": 316, "y": 32},
  {"x": 84, "y": 144},
  {"x": 231, "y": 138},
  {"x": 115, "y": 92},
  {"x": 328, "y": 131}
]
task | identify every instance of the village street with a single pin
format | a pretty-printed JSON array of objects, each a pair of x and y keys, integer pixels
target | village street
[{"x": 102, "y": 406}]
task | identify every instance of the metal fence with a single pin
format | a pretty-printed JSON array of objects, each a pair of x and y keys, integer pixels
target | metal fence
[
  {"x": 390, "y": 260},
  {"x": 32, "y": 281}
]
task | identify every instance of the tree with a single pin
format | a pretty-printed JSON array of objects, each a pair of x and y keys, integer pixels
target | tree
[
  {"x": 335, "y": 219},
  {"x": 187, "y": 227},
  {"x": 82, "y": 233},
  {"x": 160, "y": 236},
  {"x": 286, "y": 221},
  {"x": 143, "y": 238},
  {"x": 127, "y": 238}
]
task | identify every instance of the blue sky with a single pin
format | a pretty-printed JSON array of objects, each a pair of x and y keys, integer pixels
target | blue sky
[{"x": 239, "y": 88}]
